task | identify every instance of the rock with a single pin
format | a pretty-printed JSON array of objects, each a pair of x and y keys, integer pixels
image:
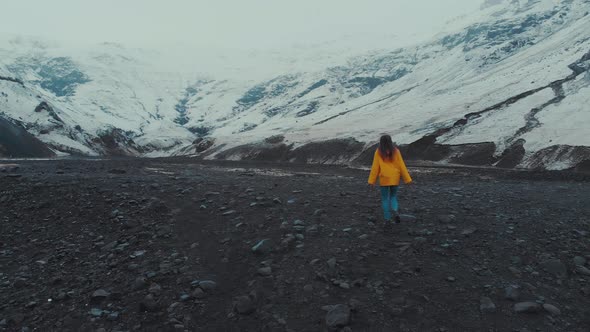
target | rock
[
  {"x": 583, "y": 270},
  {"x": 555, "y": 267},
  {"x": 338, "y": 317},
  {"x": 319, "y": 212},
  {"x": 20, "y": 283},
  {"x": 229, "y": 213},
  {"x": 288, "y": 242},
  {"x": 553, "y": 310},
  {"x": 527, "y": 307},
  {"x": 208, "y": 285},
  {"x": 579, "y": 261},
  {"x": 95, "y": 312},
  {"x": 332, "y": 263},
  {"x": 244, "y": 305},
  {"x": 184, "y": 297},
  {"x": 486, "y": 305},
  {"x": 265, "y": 271},
  {"x": 446, "y": 219},
  {"x": 148, "y": 304},
  {"x": 263, "y": 247},
  {"x": 298, "y": 223},
  {"x": 113, "y": 316},
  {"x": 155, "y": 289},
  {"x": 308, "y": 289},
  {"x": 109, "y": 246},
  {"x": 515, "y": 271},
  {"x": 199, "y": 294},
  {"x": 364, "y": 237},
  {"x": 313, "y": 229},
  {"x": 512, "y": 293},
  {"x": 140, "y": 283},
  {"x": 98, "y": 296},
  {"x": 407, "y": 218},
  {"x": 355, "y": 305},
  {"x": 451, "y": 279},
  {"x": 468, "y": 231}
]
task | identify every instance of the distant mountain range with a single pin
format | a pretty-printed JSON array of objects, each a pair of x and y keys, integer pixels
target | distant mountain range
[{"x": 507, "y": 86}]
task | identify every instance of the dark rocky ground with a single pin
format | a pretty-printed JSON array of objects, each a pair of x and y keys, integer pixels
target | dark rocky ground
[{"x": 166, "y": 245}]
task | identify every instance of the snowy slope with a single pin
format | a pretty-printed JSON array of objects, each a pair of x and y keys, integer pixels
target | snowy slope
[
  {"x": 416, "y": 91},
  {"x": 514, "y": 74}
]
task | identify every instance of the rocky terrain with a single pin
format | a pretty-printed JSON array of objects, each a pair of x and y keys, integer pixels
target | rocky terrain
[{"x": 179, "y": 245}]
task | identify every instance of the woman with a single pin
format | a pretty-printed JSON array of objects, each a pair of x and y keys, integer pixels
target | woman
[{"x": 389, "y": 166}]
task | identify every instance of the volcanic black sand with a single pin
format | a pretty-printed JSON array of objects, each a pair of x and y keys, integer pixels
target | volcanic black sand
[{"x": 167, "y": 245}]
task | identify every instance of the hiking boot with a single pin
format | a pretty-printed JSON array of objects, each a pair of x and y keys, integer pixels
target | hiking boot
[{"x": 398, "y": 219}]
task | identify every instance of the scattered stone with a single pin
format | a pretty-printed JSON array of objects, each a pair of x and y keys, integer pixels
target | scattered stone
[
  {"x": 527, "y": 307},
  {"x": 555, "y": 267},
  {"x": 407, "y": 218},
  {"x": 262, "y": 247},
  {"x": 319, "y": 212},
  {"x": 20, "y": 283},
  {"x": 155, "y": 289},
  {"x": 95, "y": 312},
  {"x": 451, "y": 279},
  {"x": 208, "y": 285},
  {"x": 113, "y": 316},
  {"x": 553, "y": 310},
  {"x": 486, "y": 305},
  {"x": 148, "y": 304},
  {"x": 579, "y": 261},
  {"x": 308, "y": 288},
  {"x": 338, "y": 316},
  {"x": 244, "y": 305},
  {"x": 199, "y": 294},
  {"x": 446, "y": 219},
  {"x": 265, "y": 271},
  {"x": 468, "y": 231},
  {"x": 332, "y": 263},
  {"x": 298, "y": 223},
  {"x": 98, "y": 296},
  {"x": 512, "y": 293},
  {"x": 583, "y": 270},
  {"x": 313, "y": 229},
  {"x": 140, "y": 283}
]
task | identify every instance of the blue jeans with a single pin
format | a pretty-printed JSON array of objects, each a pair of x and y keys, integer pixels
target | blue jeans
[{"x": 389, "y": 200}]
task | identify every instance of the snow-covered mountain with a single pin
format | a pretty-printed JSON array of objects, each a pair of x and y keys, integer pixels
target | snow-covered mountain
[{"x": 508, "y": 85}]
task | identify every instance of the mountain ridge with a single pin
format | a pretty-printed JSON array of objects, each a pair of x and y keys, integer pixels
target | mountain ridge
[{"x": 454, "y": 89}]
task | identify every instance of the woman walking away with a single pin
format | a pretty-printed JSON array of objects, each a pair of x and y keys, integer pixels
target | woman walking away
[{"x": 389, "y": 166}]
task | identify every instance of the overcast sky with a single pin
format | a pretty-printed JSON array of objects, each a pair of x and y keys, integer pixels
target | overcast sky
[{"x": 255, "y": 24}]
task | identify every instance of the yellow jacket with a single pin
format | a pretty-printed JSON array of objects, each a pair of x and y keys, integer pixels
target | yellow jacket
[{"x": 389, "y": 171}]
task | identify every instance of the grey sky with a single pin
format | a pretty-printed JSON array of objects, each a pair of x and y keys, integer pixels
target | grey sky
[{"x": 225, "y": 24}]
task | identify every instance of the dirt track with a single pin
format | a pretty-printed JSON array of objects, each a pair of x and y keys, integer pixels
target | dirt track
[{"x": 126, "y": 245}]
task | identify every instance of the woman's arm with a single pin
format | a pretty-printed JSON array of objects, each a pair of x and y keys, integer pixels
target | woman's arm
[
  {"x": 374, "y": 169},
  {"x": 403, "y": 169}
]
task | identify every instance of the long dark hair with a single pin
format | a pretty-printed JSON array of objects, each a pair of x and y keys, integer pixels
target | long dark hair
[{"x": 386, "y": 147}]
